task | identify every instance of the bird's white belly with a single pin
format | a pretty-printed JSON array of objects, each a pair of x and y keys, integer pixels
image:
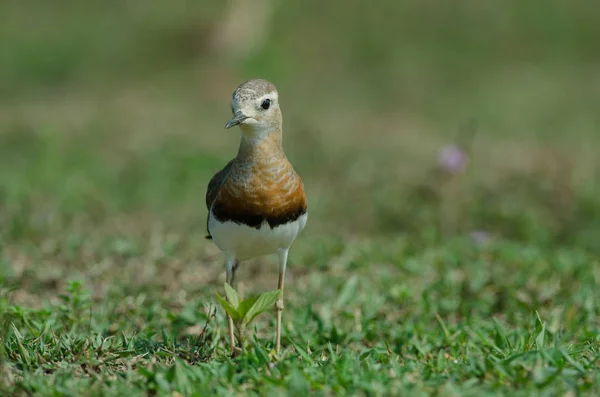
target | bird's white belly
[{"x": 244, "y": 242}]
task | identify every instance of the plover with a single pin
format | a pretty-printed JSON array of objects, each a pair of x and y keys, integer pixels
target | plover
[{"x": 256, "y": 204}]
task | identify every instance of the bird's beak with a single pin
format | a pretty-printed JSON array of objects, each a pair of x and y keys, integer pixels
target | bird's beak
[{"x": 238, "y": 118}]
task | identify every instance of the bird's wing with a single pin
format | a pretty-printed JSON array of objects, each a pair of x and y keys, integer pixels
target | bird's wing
[{"x": 212, "y": 191}]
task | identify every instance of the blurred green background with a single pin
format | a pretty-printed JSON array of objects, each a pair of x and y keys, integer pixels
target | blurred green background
[
  {"x": 112, "y": 114},
  {"x": 450, "y": 153}
]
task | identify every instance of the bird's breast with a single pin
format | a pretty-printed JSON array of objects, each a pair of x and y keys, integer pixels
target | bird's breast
[{"x": 271, "y": 193}]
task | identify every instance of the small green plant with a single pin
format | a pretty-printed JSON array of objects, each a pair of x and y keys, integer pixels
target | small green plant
[
  {"x": 76, "y": 303},
  {"x": 244, "y": 311}
]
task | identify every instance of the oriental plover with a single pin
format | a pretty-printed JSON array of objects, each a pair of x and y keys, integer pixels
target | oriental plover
[{"x": 256, "y": 204}]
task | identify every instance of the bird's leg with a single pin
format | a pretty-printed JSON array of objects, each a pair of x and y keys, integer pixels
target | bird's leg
[
  {"x": 283, "y": 254},
  {"x": 230, "y": 268}
]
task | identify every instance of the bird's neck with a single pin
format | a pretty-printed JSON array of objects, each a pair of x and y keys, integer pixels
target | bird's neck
[{"x": 261, "y": 147}]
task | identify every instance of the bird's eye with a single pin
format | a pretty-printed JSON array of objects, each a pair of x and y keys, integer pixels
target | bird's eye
[{"x": 265, "y": 104}]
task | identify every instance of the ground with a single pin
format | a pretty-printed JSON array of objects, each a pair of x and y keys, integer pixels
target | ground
[{"x": 449, "y": 155}]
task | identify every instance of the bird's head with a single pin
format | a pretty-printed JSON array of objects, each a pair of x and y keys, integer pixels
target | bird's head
[{"x": 255, "y": 108}]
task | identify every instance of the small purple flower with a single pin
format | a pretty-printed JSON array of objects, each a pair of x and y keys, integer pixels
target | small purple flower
[
  {"x": 452, "y": 159},
  {"x": 480, "y": 237}
]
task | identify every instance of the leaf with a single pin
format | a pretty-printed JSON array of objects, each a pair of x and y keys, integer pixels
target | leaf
[
  {"x": 571, "y": 361},
  {"x": 246, "y": 304},
  {"x": 161, "y": 382},
  {"x": 539, "y": 340},
  {"x": 303, "y": 354},
  {"x": 232, "y": 296},
  {"x": 146, "y": 373},
  {"x": 348, "y": 292},
  {"x": 262, "y": 357},
  {"x": 263, "y": 302},
  {"x": 22, "y": 351},
  {"x": 443, "y": 326},
  {"x": 182, "y": 380},
  {"x": 228, "y": 308}
]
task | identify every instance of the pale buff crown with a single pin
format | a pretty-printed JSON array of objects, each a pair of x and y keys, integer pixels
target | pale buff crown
[{"x": 252, "y": 89}]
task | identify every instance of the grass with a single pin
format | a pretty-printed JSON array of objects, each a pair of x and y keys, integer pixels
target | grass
[
  {"x": 451, "y": 319},
  {"x": 411, "y": 278}
]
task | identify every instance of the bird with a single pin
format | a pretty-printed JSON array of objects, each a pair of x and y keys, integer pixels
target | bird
[{"x": 256, "y": 204}]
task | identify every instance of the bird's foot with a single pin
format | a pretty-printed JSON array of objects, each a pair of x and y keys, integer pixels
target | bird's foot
[{"x": 235, "y": 351}]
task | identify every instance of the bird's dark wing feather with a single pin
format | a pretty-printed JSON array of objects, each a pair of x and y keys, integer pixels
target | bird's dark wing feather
[{"x": 213, "y": 188}]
